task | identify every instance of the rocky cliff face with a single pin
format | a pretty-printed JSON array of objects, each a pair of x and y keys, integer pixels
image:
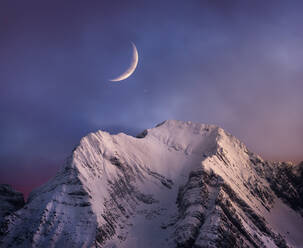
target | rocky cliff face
[
  {"x": 10, "y": 201},
  {"x": 180, "y": 184}
]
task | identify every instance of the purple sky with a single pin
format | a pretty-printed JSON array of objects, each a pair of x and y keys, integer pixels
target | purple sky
[{"x": 237, "y": 64}]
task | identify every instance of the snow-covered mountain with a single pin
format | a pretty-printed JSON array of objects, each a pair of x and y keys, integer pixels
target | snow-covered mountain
[{"x": 180, "y": 184}]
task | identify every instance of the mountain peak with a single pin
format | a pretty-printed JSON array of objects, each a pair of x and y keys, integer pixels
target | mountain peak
[{"x": 189, "y": 184}]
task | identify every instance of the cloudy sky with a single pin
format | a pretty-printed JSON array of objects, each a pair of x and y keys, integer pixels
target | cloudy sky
[{"x": 237, "y": 64}]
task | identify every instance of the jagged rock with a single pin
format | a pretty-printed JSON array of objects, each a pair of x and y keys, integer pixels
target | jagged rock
[
  {"x": 180, "y": 184},
  {"x": 10, "y": 200}
]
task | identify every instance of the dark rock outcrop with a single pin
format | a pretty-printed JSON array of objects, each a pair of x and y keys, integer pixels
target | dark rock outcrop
[{"x": 10, "y": 200}]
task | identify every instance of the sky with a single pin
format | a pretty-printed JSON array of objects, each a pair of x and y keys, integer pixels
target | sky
[{"x": 237, "y": 64}]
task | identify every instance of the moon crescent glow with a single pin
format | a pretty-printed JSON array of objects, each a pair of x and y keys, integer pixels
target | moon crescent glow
[{"x": 132, "y": 67}]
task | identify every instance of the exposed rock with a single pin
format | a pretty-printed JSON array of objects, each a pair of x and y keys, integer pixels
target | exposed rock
[{"x": 10, "y": 200}]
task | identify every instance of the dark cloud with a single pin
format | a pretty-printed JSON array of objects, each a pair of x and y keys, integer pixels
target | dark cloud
[{"x": 237, "y": 64}]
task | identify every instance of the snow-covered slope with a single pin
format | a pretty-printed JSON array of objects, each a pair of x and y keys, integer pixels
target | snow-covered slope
[{"x": 180, "y": 184}]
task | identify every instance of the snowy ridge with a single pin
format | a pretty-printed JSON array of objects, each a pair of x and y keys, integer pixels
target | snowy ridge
[{"x": 180, "y": 184}]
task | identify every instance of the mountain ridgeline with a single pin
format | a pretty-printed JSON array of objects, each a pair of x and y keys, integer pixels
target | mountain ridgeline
[{"x": 180, "y": 184}]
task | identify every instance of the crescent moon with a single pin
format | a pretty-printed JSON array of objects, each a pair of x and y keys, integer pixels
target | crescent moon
[{"x": 132, "y": 67}]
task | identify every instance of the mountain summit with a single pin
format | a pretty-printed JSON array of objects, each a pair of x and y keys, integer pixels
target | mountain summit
[{"x": 180, "y": 184}]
